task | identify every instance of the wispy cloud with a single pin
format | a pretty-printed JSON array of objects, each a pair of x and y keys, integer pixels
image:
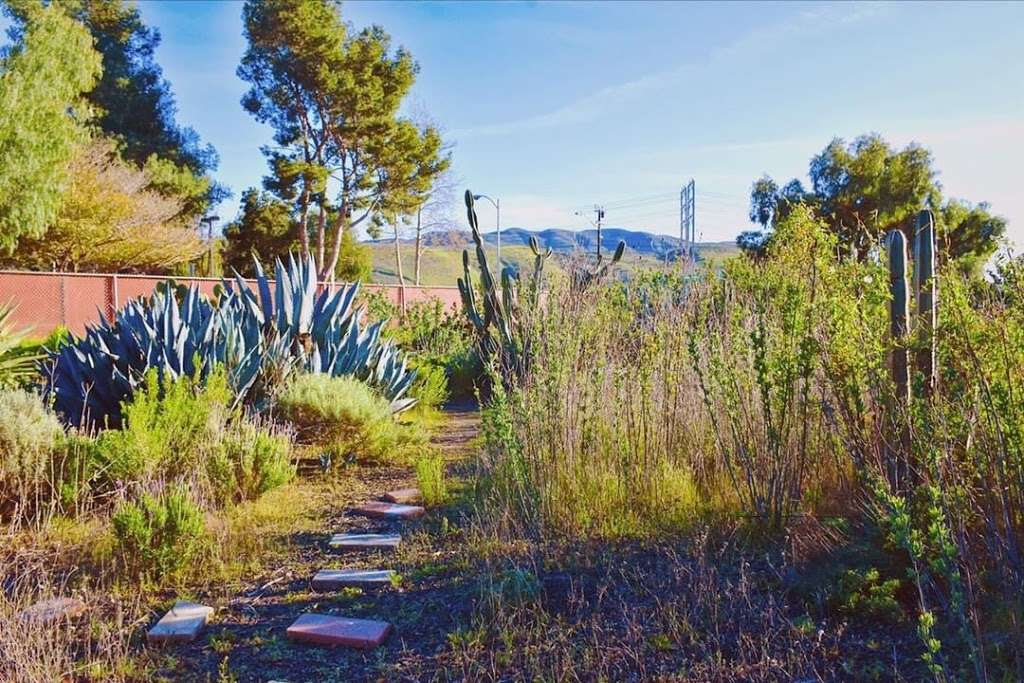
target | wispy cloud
[{"x": 591, "y": 106}]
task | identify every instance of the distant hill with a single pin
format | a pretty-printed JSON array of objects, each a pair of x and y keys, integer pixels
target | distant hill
[
  {"x": 443, "y": 250},
  {"x": 568, "y": 241}
]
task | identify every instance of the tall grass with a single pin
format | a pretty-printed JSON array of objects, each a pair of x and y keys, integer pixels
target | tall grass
[
  {"x": 606, "y": 435},
  {"x": 759, "y": 395}
]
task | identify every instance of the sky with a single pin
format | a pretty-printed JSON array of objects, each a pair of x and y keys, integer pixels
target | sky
[{"x": 555, "y": 107}]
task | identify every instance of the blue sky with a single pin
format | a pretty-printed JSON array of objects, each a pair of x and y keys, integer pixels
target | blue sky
[{"x": 557, "y": 106}]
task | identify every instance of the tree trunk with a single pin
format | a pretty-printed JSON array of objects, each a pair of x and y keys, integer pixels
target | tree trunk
[
  {"x": 398, "y": 270},
  {"x": 418, "y": 245},
  {"x": 321, "y": 230},
  {"x": 328, "y": 265},
  {"x": 303, "y": 223}
]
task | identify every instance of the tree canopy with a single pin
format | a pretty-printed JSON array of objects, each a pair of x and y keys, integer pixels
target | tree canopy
[
  {"x": 264, "y": 228},
  {"x": 867, "y": 188},
  {"x": 332, "y": 96},
  {"x": 110, "y": 221},
  {"x": 43, "y": 112},
  {"x": 133, "y": 102}
]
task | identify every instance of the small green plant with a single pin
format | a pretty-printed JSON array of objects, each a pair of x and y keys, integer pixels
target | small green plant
[
  {"x": 430, "y": 388},
  {"x": 158, "y": 535},
  {"x": 661, "y": 642},
  {"x": 345, "y": 416},
  {"x": 430, "y": 477},
  {"x": 864, "y": 594},
  {"x": 75, "y": 466},
  {"x": 29, "y": 436},
  {"x": 17, "y": 360},
  {"x": 250, "y": 460},
  {"x": 511, "y": 587}
]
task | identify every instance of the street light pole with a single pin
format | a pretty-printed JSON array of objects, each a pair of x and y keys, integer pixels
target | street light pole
[
  {"x": 210, "y": 220},
  {"x": 497, "y": 222}
]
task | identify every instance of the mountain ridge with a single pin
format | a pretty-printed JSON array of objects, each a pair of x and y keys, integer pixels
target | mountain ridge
[{"x": 565, "y": 241}]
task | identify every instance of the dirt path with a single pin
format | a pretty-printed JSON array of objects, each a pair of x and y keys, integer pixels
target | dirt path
[{"x": 246, "y": 639}]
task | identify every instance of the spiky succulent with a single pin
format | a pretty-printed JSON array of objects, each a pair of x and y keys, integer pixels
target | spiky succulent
[{"x": 292, "y": 324}]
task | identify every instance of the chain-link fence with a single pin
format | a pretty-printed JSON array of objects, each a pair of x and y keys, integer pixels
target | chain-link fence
[{"x": 46, "y": 300}]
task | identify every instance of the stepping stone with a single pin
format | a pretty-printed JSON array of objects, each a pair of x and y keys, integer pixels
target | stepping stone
[
  {"x": 403, "y": 496},
  {"x": 365, "y": 541},
  {"x": 378, "y": 510},
  {"x": 333, "y": 579},
  {"x": 49, "y": 611},
  {"x": 323, "y": 629},
  {"x": 181, "y": 624}
]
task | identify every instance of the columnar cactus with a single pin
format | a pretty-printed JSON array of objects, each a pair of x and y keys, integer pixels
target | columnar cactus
[
  {"x": 925, "y": 286},
  {"x": 496, "y": 318},
  {"x": 900, "y": 328},
  {"x": 899, "y": 314}
]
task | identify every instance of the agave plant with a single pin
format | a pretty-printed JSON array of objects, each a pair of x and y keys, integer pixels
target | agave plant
[
  {"x": 260, "y": 339},
  {"x": 321, "y": 331}
]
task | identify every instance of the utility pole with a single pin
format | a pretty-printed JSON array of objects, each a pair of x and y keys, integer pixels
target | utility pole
[
  {"x": 599, "y": 213},
  {"x": 687, "y": 219},
  {"x": 209, "y": 220}
]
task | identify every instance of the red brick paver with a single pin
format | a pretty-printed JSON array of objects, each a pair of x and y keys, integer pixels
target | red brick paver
[
  {"x": 403, "y": 496},
  {"x": 324, "y": 629}
]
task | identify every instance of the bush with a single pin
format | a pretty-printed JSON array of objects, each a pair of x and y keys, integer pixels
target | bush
[
  {"x": 250, "y": 461},
  {"x": 17, "y": 360},
  {"x": 168, "y": 429},
  {"x": 864, "y": 594},
  {"x": 29, "y": 435},
  {"x": 345, "y": 416},
  {"x": 158, "y": 536},
  {"x": 430, "y": 477},
  {"x": 355, "y": 260},
  {"x": 430, "y": 388},
  {"x": 465, "y": 372},
  {"x": 183, "y": 430}
]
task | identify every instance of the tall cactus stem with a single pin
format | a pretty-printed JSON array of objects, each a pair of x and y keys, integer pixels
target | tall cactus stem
[
  {"x": 926, "y": 288},
  {"x": 899, "y": 314},
  {"x": 898, "y": 459}
]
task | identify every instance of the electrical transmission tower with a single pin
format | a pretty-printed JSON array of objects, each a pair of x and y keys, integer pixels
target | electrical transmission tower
[{"x": 687, "y": 220}]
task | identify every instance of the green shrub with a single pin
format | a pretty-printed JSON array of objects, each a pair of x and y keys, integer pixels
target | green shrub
[
  {"x": 168, "y": 429},
  {"x": 437, "y": 339},
  {"x": 345, "y": 416},
  {"x": 355, "y": 260},
  {"x": 430, "y": 388},
  {"x": 250, "y": 461},
  {"x": 465, "y": 372},
  {"x": 430, "y": 477},
  {"x": 29, "y": 435},
  {"x": 158, "y": 536}
]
